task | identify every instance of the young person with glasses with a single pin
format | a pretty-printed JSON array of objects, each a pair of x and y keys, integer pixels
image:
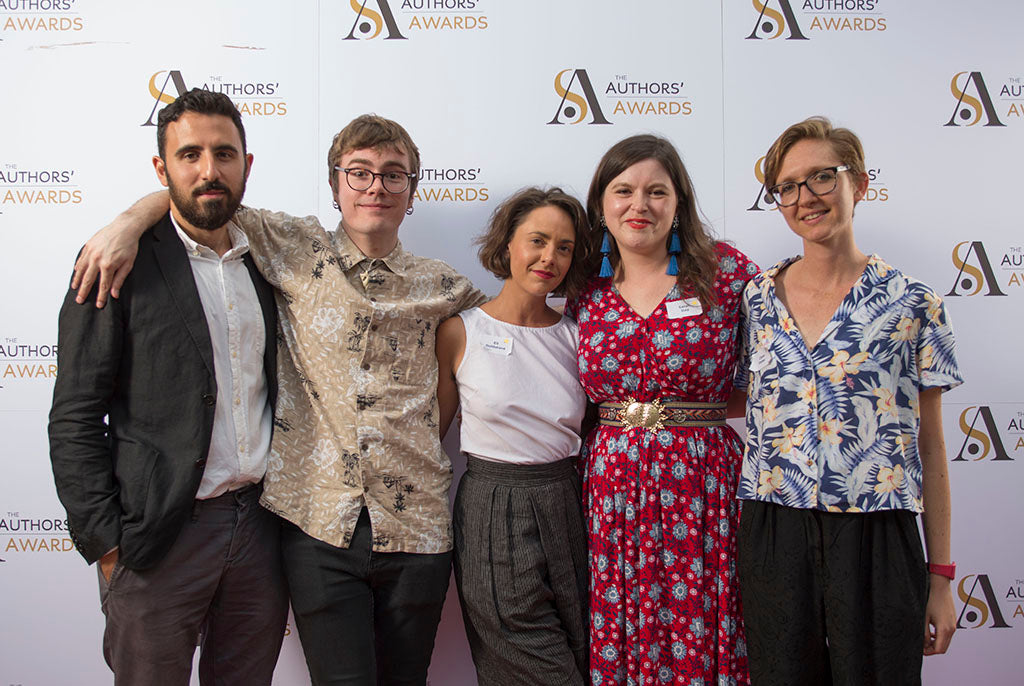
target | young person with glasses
[
  {"x": 356, "y": 468},
  {"x": 845, "y": 361}
]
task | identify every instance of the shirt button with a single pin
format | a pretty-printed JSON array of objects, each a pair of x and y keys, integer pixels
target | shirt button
[
  {"x": 810, "y": 462},
  {"x": 238, "y": 401},
  {"x": 231, "y": 306}
]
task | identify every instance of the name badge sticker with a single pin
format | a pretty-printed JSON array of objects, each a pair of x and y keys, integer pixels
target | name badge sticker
[
  {"x": 500, "y": 346},
  {"x": 688, "y": 307}
]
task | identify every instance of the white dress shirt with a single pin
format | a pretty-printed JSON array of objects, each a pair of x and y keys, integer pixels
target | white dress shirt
[{"x": 243, "y": 419}]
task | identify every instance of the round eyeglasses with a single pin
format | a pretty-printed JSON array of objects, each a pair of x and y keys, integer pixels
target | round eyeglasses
[
  {"x": 821, "y": 182},
  {"x": 359, "y": 179}
]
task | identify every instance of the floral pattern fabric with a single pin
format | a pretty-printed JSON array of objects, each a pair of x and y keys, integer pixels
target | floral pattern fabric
[
  {"x": 661, "y": 507},
  {"x": 356, "y": 415},
  {"x": 835, "y": 428}
]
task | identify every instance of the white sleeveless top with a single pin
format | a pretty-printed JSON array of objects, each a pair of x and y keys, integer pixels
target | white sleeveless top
[{"x": 519, "y": 389}]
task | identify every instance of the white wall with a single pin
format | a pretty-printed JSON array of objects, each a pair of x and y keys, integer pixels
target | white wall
[{"x": 474, "y": 81}]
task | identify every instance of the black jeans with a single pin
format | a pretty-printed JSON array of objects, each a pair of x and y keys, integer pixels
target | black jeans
[{"x": 364, "y": 618}]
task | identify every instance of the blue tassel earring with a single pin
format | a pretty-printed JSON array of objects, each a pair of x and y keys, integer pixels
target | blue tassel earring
[
  {"x": 606, "y": 247},
  {"x": 674, "y": 249}
]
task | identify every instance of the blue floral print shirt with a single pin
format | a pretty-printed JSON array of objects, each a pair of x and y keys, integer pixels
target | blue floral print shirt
[{"x": 835, "y": 428}]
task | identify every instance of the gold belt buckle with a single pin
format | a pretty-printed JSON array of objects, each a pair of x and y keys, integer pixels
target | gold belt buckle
[{"x": 638, "y": 415}]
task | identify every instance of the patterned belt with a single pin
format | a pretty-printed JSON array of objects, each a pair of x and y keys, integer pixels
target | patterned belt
[{"x": 657, "y": 414}]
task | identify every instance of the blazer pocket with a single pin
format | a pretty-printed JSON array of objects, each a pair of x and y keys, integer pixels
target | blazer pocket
[{"x": 133, "y": 468}]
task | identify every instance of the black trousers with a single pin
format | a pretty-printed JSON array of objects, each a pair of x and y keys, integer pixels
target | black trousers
[
  {"x": 832, "y": 598},
  {"x": 221, "y": 579},
  {"x": 364, "y": 618}
]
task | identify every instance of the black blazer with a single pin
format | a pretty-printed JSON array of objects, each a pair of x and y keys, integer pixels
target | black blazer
[{"x": 133, "y": 404}]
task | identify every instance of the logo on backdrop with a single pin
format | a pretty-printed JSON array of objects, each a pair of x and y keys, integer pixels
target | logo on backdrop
[
  {"x": 29, "y": 361},
  {"x": 983, "y": 437},
  {"x": 377, "y": 19},
  {"x": 34, "y": 186},
  {"x": 981, "y": 605},
  {"x": 877, "y": 190},
  {"x": 777, "y": 18},
  {"x": 21, "y": 534},
  {"x": 40, "y": 17},
  {"x": 763, "y": 201},
  {"x": 973, "y": 102},
  {"x": 975, "y": 274},
  {"x": 578, "y": 101},
  {"x": 253, "y": 98},
  {"x": 451, "y": 184}
]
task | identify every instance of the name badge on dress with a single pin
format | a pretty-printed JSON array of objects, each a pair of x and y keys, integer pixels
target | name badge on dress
[
  {"x": 501, "y": 346},
  {"x": 688, "y": 307}
]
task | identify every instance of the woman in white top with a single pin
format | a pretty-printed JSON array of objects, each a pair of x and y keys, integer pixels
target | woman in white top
[{"x": 520, "y": 538}]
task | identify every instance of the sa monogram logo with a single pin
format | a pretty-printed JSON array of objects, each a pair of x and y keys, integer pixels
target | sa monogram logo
[
  {"x": 971, "y": 107},
  {"x": 980, "y": 441},
  {"x": 160, "y": 94},
  {"x": 972, "y": 277},
  {"x": 762, "y": 196},
  {"x": 980, "y": 604},
  {"x": 771, "y": 23},
  {"x": 368, "y": 20},
  {"x": 581, "y": 103}
]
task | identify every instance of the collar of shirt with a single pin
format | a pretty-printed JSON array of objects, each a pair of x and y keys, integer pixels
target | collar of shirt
[
  {"x": 351, "y": 256},
  {"x": 876, "y": 273},
  {"x": 239, "y": 243}
]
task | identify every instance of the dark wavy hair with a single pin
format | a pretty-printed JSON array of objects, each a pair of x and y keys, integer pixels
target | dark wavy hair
[
  {"x": 698, "y": 260},
  {"x": 201, "y": 102},
  {"x": 512, "y": 212}
]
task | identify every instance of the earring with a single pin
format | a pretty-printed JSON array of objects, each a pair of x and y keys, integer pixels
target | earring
[
  {"x": 408, "y": 211},
  {"x": 336, "y": 206},
  {"x": 674, "y": 249},
  {"x": 606, "y": 247}
]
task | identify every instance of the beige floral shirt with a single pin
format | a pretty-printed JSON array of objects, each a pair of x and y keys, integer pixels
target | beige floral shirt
[{"x": 356, "y": 417}]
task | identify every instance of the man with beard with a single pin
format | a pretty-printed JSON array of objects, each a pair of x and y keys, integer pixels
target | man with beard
[{"x": 161, "y": 426}]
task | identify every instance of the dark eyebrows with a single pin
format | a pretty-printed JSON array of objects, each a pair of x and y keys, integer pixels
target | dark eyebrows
[
  {"x": 196, "y": 148},
  {"x": 547, "y": 236}
]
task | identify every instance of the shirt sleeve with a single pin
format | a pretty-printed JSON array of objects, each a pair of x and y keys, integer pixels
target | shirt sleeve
[
  {"x": 937, "y": 366},
  {"x": 277, "y": 240},
  {"x": 467, "y": 296},
  {"x": 741, "y": 377}
]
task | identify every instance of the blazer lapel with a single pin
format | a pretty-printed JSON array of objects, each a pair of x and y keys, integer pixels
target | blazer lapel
[{"x": 177, "y": 273}]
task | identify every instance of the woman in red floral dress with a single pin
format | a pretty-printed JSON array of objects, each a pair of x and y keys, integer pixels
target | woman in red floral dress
[{"x": 658, "y": 331}]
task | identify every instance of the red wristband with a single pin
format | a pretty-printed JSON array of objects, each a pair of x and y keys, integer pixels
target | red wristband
[{"x": 948, "y": 571}]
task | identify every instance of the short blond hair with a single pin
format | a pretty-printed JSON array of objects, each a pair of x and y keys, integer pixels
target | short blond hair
[{"x": 844, "y": 142}]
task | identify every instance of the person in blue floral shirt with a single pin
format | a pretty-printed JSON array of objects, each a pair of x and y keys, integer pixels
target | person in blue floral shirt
[{"x": 845, "y": 359}]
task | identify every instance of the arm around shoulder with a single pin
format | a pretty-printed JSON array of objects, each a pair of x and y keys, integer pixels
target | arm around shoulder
[{"x": 110, "y": 253}]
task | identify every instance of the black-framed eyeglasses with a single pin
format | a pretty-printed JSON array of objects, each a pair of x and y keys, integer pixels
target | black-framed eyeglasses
[
  {"x": 359, "y": 179},
  {"x": 821, "y": 182}
]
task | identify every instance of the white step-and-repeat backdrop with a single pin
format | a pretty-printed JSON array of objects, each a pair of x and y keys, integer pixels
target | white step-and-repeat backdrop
[{"x": 498, "y": 95}]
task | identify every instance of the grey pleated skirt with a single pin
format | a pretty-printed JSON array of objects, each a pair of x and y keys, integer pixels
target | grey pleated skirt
[{"x": 521, "y": 572}]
